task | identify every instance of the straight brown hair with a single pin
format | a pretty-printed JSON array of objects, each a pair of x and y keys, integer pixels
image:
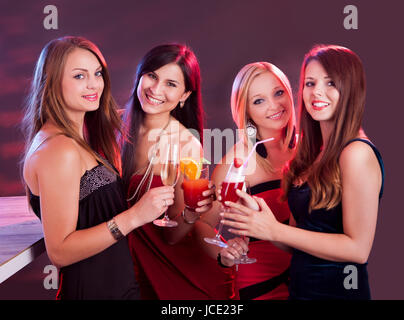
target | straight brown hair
[
  {"x": 45, "y": 102},
  {"x": 345, "y": 68}
]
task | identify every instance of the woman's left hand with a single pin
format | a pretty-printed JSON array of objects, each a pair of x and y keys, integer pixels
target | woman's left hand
[
  {"x": 206, "y": 204},
  {"x": 260, "y": 224}
]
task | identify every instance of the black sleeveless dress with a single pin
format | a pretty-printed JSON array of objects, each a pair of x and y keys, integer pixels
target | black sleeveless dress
[
  {"x": 315, "y": 278},
  {"x": 110, "y": 273}
]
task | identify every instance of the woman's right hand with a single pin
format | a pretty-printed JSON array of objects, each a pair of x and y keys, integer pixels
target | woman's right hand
[
  {"x": 234, "y": 250},
  {"x": 153, "y": 204}
]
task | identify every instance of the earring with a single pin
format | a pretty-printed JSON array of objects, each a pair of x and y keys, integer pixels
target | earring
[
  {"x": 251, "y": 129},
  {"x": 182, "y": 104}
]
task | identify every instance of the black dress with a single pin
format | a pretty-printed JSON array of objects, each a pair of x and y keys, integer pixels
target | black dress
[
  {"x": 110, "y": 273},
  {"x": 315, "y": 278}
]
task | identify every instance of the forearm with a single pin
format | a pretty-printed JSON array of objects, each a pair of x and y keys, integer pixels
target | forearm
[
  {"x": 328, "y": 246},
  {"x": 85, "y": 243}
]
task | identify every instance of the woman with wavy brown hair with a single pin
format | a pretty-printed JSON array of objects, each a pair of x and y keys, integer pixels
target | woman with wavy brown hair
[
  {"x": 333, "y": 185},
  {"x": 70, "y": 171}
]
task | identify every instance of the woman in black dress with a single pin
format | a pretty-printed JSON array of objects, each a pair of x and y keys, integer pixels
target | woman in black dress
[
  {"x": 71, "y": 172},
  {"x": 333, "y": 184}
]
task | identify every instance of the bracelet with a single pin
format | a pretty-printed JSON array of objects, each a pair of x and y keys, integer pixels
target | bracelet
[
  {"x": 219, "y": 261},
  {"x": 186, "y": 220},
  {"x": 113, "y": 228}
]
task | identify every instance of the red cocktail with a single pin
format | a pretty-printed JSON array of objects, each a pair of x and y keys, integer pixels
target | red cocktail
[
  {"x": 228, "y": 192},
  {"x": 194, "y": 186},
  {"x": 234, "y": 180},
  {"x": 193, "y": 190}
]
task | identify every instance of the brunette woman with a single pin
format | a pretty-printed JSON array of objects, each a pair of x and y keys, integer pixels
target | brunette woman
[
  {"x": 166, "y": 107},
  {"x": 70, "y": 170}
]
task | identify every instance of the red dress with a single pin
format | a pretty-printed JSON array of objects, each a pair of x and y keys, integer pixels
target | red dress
[
  {"x": 268, "y": 277},
  {"x": 179, "y": 272}
]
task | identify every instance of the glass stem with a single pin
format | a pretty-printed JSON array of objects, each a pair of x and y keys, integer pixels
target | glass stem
[
  {"x": 219, "y": 230},
  {"x": 166, "y": 217}
]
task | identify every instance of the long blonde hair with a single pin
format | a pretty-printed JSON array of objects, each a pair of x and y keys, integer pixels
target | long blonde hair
[
  {"x": 45, "y": 102},
  {"x": 239, "y": 96}
]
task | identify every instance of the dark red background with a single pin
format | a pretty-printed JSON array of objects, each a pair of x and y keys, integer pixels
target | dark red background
[{"x": 225, "y": 35}]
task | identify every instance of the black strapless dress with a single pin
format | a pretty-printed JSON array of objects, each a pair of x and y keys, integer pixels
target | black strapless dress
[
  {"x": 110, "y": 273},
  {"x": 315, "y": 278}
]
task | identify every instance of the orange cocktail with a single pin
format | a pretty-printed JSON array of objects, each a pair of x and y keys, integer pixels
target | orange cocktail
[
  {"x": 196, "y": 181},
  {"x": 193, "y": 190}
]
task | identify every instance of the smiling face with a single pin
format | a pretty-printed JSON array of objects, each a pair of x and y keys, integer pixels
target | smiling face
[
  {"x": 320, "y": 95},
  {"x": 82, "y": 82},
  {"x": 268, "y": 103},
  {"x": 161, "y": 90}
]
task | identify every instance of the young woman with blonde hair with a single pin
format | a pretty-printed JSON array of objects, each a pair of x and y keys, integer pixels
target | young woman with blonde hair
[{"x": 262, "y": 107}]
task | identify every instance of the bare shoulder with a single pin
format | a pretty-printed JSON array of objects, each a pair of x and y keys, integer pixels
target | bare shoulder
[
  {"x": 357, "y": 152},
  {"x": 359, "y": 159},
  {"x": 57, "y": 152},
  {"x": 53, "y": 159}
]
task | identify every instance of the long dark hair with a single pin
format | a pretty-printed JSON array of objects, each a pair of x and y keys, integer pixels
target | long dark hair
[
  {"x": 190, "y": 115},
  {"x": 45, "y": 102},
  {"x": 324, "y": 179}
]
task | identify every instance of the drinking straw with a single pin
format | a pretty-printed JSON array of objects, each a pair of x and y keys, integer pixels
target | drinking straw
[{"x": 251, "y": 152}]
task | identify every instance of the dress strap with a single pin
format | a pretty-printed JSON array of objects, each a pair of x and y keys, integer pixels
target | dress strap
[{"x": 378, "y": 156}]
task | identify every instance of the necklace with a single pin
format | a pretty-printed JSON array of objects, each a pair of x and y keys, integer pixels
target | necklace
[{"x": 149, "y": 174}]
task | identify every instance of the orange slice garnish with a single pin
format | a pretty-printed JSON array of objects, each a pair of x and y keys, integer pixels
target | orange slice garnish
[{"x": 191, "y": 168}]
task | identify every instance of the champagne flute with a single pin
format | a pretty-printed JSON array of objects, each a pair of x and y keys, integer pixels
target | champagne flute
[
  {"x": 234, "y": 180},
  {"x": 169, "y": 174},
  {"x": 244, "y": 258}
]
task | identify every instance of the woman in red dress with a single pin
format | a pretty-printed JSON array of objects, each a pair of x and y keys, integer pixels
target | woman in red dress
[
  {"x": 262, "y": 107},
  {"x": 166, "y": 104}
]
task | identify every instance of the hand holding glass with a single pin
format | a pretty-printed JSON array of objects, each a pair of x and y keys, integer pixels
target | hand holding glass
[
  {"x": 193, "y": 188},
  {"x": 234, "y": 180},
  {"x": 244, "y": 258},
  {"x": 170, "y": 171}
]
